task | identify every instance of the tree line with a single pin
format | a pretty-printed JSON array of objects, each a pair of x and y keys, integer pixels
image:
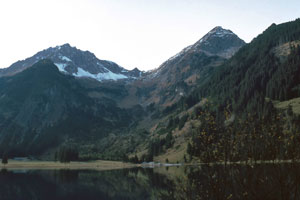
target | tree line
[
  {"x": 66, "y": 154},
  {"x": 273, "y": 136}
]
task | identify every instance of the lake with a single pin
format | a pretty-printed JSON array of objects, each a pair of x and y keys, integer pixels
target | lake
[{"x": 265, "y": 181}]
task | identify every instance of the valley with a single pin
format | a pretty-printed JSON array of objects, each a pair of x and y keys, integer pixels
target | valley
[
  {"x": 217, "y": 93},
  {"x": 149, "y": 100}
]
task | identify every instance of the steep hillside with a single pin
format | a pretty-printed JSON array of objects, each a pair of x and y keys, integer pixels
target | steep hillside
[
  {"x": 231, "y": 116},
  {"x": 43, "y": 108},
  {"x": 179, "y": 75},
  {"x": 260, "y": 70}
]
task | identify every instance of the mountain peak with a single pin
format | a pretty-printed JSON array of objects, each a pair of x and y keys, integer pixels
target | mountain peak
[
  {"x": 217, "y": 32},
  {"x": 217, "y": 28},
  {"x": 72, "y": 61},
  {"x": 219, "y": 41},
  {"x": 220, "y": 32},
  {"x": 66, "y": 45}
]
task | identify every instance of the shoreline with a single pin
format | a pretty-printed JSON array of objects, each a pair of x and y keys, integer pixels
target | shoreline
[
  {"x": 111, "y": 165},
  {"x": 52, "y": 165}
]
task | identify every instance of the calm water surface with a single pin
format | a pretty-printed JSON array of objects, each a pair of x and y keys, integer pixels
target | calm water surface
[{"x": 272, "y": 181}]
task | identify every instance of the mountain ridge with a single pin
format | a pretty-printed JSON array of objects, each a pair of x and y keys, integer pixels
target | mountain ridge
[
  {"x": 213, "y": 36},
  {"x": 75, "y": 62},
  {"x": 41, "y": 107},
  {"x": 177, "y": 76},
  {"x": 96, "y": 108}
]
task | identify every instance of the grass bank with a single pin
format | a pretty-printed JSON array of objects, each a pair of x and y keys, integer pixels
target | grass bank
[{"x": 94, "y": 165}]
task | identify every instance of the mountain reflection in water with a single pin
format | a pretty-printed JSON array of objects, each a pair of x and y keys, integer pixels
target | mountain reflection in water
[{"x": 268, "y": 181}]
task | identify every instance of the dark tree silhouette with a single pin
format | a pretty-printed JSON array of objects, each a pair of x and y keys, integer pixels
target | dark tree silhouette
[{"x": 4, "y": 159}]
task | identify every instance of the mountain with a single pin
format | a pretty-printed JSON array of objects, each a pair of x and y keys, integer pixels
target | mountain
[
  {"x": 44, "y": 104},
  {"x": 42, "y": 108},
  {"x": 268, "y": 67},
  {"x": 247, "y": 110},
  {"x": 72, "y": 61},
  {"x": 179, "y": 75},
  {"x": 218, "y": 41}
]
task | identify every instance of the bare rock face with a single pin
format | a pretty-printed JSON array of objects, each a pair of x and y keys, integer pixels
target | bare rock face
[
  {"x": 75, "y": 62},
  {"x": 220, "y": 42},
  {"x": 179, "y": 74}
]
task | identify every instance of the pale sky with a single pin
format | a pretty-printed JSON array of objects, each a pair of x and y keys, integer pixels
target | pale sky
[{"x": 132, "y": 33}]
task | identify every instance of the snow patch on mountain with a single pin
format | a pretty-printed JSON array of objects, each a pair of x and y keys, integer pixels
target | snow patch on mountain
[
  {"x": 61, "y": 67},
  {"x": 69, "y": 59},
  {"x": 100, "y": 76},
  {"x": 65, "y": 58},
  {"x": 110, "y": 76}
]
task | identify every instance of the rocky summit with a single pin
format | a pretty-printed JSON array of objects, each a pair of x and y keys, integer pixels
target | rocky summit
[{"x": 75, "y": 62}]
